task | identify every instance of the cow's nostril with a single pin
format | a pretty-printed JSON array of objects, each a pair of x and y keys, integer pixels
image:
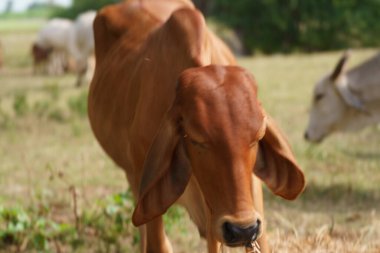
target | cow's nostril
[
  {"x": 235, "y": 235},
  {"x": 229, "y": 232}
]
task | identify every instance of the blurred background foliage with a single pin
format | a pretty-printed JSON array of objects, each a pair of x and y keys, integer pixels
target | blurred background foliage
[
  {"x": 80, "y": 6},
  {"x": 297, "y": 25},
  {"x": 270, "y": 26}
]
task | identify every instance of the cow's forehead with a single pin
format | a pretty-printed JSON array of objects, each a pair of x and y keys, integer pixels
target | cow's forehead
[
  {"x": 213, "y": 76},
  {"x": 322, "y": 85},
  {"x": 221, "y": 99},
  {"x": 219, "y": 87}
]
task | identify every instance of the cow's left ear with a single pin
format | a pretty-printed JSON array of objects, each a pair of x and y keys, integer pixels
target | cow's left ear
[
  {"x": 166, "y": 172},
  {"x": 340, "y": 66},
  {"x": 276, "y": 164}
]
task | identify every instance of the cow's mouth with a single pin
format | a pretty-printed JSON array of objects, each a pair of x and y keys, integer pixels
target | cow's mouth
[
  {"x": 247, "y": 244},
  {"x": 318, "y": 140},
  {"x": 240, "y": 237}
]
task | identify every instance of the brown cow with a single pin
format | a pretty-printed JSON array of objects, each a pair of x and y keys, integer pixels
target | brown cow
[
  {"x": 183, "y": 127},
  {"x": 40, "y": 57}
]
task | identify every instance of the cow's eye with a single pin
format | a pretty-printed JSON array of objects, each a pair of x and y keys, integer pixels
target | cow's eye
[
  {"x": 196, "y": 143},
  {"x": 199, "y": 144},
  {"x": 318, "y": 97}
]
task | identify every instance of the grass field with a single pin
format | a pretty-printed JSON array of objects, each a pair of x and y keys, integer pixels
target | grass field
[{"x": 60, "y": 193}]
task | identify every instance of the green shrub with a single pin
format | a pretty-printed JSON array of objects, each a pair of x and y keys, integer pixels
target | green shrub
[
  {"x": 20, "y": 104},
  {"x": 80, "y": 6},
  {"x": 299, "y": 25},
  {"x": 53, "y": 90},
  {"x": 78, "y": 104},
  {"x": 57, "y": 115},
  {"x": 5, "y": 120},
  {"x": 41, "y": 108},
  {"x": 14, "y": 224},
  {"x": 102, "y": 228}
]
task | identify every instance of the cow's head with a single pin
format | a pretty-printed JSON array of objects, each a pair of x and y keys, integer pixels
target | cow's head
[
  {"x": 213, "y": 132},
  {"x": 40, "y": 54},
  {"x": 332, "y": 100}
]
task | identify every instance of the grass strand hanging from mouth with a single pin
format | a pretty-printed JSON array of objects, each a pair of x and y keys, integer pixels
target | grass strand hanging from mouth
[{"x": 254, "y": 247}]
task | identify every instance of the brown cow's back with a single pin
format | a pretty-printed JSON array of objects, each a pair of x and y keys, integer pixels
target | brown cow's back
[{"x": 134, "y": 20}]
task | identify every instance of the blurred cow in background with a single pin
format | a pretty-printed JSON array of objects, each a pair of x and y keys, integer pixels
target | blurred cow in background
[
  {"x": 41, "y": 57},
  {"x": 50, "y": 50},
  {"x": 345, "y": 100},
  {"x": 82, "y": 45},
  {"x": 61, "y": 40}
]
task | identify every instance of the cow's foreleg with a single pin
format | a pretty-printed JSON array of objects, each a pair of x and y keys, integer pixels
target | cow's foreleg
[
  {"x": 212, "y": 244},
  {"x": 153, "y": 237},
  {"x": 81, "y": 65},
  {"x": 259, "y": 206}
]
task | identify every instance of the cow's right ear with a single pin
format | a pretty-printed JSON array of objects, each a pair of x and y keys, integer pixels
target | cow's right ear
[
  {"x": 340, "y": 66},
  {"x": 166, "y": 172}
]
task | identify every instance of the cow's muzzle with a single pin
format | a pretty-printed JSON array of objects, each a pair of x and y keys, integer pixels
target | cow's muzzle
[
  {"x": 237, "y": 236},
  {"x": 308, "y": 138}
]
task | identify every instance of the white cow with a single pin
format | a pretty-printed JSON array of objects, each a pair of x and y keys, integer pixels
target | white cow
[
  {"x": 51, "y": 46},
  {"x": 345, "y": 100},
  {"x": 61, "y": 39},
  {"x": 82, "y": 43}
]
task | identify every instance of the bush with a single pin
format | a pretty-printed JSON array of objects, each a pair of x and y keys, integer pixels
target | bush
[
  {"x": 38, "y": 231},
  {"x": 78, "y": 105},
  {"x": 298, "y": 25},
  {"x": 20, "y": 104},
  {"x": 53, "y": 90},
  {"x": 57, "y": 115},
  {"x": 80, "y": 6},
  {"x": 5, "y": 120}
]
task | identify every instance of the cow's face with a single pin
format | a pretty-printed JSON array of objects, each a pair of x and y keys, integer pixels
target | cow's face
[
  {"x": 331, "y": 100},
  {"x": 40, "y": 54},
  {"x": 327, "y": 110},
  {"x": 211, "y": 134},
  {"x": 221, "y": 123}
]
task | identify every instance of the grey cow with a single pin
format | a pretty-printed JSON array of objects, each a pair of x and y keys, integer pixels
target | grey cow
[{"x": 345, "y": 100}]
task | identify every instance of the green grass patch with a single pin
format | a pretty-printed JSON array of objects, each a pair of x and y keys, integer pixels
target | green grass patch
[
  {"x": 20, "y": 25},
  {"x": 100, "y": 228}
]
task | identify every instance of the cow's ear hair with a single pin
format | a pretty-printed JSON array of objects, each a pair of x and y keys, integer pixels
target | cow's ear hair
[
  {"x": 340, "y": 66},
  {"x": 276, "y": 165},
  {"x": 166, "y": 172}
]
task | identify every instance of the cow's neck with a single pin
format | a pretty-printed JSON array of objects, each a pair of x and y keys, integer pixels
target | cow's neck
[
  {"x": 364, "y": 80},
  {"x": 356, "y": 120}
]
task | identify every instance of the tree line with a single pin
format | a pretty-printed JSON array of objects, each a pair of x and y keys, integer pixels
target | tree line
[{"x": 271, "y": 26}]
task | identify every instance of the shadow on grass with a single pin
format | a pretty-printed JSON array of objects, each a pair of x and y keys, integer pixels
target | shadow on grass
[
  {"x": 337, "y": 197},
  {"x": 362, "y": 155}
]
